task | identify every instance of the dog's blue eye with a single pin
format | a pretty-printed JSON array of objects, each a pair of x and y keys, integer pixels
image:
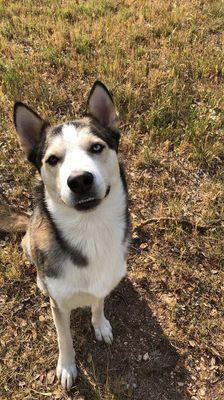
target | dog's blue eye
[
  {"x": 96, "y": 148},
  {"x": 52, "y": 160}
]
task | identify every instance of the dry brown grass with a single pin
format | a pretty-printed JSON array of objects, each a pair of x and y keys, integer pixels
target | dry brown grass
[{"x": 164, "y": 62}]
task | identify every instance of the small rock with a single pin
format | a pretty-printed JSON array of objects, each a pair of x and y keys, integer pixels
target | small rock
[
  {"x": 146, "y": 357},
  {"x": 199, "y": 173}
]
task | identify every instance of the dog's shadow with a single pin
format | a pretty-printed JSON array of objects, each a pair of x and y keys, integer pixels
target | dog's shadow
[{"x": 140, "y": 364}]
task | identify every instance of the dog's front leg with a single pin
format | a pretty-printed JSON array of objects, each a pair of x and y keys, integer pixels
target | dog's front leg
[
  {"x": 66, "y": 368},
  {"x": 102, "y": 327}
]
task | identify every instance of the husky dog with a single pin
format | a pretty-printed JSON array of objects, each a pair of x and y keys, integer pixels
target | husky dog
[{"x": 78, "y": 235}]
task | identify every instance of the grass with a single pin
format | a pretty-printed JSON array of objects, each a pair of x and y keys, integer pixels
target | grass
[{"x": 164, "y": 63}]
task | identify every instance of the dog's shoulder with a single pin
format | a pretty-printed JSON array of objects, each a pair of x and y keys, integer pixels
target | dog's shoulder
[
  {"x": 41, "y": 247},
  {"x": 38, "y": 239}
]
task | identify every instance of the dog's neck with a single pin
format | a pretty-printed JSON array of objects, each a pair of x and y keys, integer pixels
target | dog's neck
[{"x": 89, "y": 232}]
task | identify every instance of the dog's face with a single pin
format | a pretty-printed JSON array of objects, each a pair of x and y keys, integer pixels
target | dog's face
[
  {"x": 77, "y": 161},
  {"x": 79, "y": 166}
]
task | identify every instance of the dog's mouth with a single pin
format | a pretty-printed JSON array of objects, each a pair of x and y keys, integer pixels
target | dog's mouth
[{"x": 89, "y": 203}]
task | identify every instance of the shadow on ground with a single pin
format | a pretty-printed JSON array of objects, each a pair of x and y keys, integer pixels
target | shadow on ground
[{"x": 121, "y": 368}]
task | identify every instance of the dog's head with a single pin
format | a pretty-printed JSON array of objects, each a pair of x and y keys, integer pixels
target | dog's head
[{"x": 77, "y": 160}]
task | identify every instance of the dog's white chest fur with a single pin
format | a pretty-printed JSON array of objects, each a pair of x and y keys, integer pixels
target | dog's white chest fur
[{"x": 99, "y": 235}]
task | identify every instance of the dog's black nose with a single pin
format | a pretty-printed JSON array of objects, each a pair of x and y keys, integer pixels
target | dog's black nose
[{"x": 81, "y": 182}]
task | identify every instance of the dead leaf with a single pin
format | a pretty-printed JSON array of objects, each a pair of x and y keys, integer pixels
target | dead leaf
[
  {"x": 144, "y": 246},
  {"x": 50, "y": 377},
  {"x": 169, "y": 299}
]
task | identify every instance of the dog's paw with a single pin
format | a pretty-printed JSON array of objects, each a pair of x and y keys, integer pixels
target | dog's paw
[
  {"x": 104, "y": 331},
  {"x": 66, "y": 374}
]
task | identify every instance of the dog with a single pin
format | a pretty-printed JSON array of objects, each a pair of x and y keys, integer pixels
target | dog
[{"x": 79, "y": 233}]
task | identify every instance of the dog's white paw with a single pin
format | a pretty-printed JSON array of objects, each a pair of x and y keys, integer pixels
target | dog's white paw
[
  {"x": 66, "y": 373},
  {"x": 104, "y": 331}
]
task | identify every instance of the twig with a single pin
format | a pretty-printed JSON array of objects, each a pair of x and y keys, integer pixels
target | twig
[
  {"x": 152, "y": 220},
  {"x": 181, "y": 221},
  {"x": 47, "y": 394}
]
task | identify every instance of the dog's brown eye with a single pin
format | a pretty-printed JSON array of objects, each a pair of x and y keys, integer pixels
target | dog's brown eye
[
  {"x": 97, "y": 148},
  {"x": 52, "y": 160}
]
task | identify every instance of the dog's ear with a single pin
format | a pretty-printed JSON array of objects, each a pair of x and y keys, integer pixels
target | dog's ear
[
  {"x": 101, "y": 106},
  {"x": 29, "y": 126}
]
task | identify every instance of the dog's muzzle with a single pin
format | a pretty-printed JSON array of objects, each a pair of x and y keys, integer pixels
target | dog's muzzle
[
  {"x": 82, "y": 185},
  {"x": 89, "y": 203}
]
